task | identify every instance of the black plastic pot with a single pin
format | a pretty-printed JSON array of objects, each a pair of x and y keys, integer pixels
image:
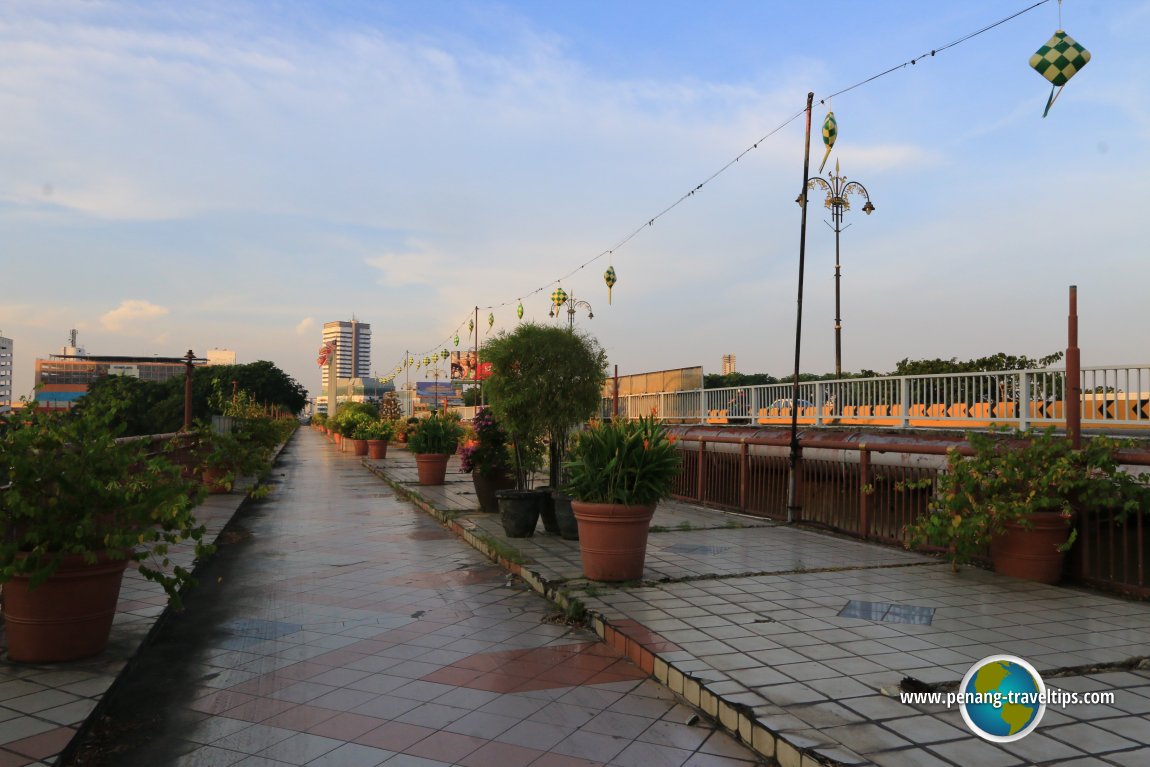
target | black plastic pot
[
  {"x": 518, "y": 511},
  {"x": 564, "y": 516},
  {"x": 547, "y": 510}
]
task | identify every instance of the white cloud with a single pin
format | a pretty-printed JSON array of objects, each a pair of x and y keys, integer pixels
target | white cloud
[
  {"x": 132, "y": 316},
  {"x": 305, "y": 325}
]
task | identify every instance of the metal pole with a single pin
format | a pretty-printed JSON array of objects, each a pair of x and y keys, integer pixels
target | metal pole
[
  {"x": 793, "y": 503},
  {"x": 837, "y": 215},
  {"x": 1073, "y": 375},
  {"x": 189, "y": 358},
  {"x": 615, "y": 397}
]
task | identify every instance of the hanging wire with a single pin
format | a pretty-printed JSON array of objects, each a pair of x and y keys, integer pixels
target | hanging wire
[
  {"x": 935, "y": 51},
  {"x": 651, "y": 221}
]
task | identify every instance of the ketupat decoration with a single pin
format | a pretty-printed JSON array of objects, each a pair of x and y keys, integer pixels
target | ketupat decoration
[
  {"x": 445, "y": 354},
  {"x": 456, "y": 339},
  {"x": 470, "y": 327},
  {"x": 830, "y": 133},
  {"x": 1058, "y": 61},
  {"x": 558, "y": 298},
  {"x": 490, "y": 321},
  {"x": 609, "y": 278},
  {"x": 519, "y": 310}
]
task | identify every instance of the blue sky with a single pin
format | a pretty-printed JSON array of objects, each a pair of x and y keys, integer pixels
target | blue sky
[{"x": 203, "y": 174}]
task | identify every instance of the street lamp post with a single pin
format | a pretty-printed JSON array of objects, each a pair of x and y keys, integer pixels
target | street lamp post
[
  {"x": 838, "y": 190},
  {"x": 572, "y": 305}
]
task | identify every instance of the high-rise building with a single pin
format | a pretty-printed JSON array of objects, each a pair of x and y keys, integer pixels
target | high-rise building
[
  {"x": 5, "y": 374},
  {"x": 352, "y": 350},
  {"x": 729, "y": 364}
]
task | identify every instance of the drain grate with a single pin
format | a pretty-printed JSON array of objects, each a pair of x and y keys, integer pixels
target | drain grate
[
  {"x": 260, "y": 630},
  {"x": 687, "y": 548},
  {"x": 887, "y": 612}
]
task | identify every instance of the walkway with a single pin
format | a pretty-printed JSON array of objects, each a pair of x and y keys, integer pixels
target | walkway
[
  {"x": 798, "y": 640},
  {"x": 342, "y": 627}
]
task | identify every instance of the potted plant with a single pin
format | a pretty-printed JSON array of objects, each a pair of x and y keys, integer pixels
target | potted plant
[
  {"x": 433, "y": 440},
  {"x": 1017, "y": 499},
  {"x": 354, "y": 425},
  {"x": 544, "y": 380},
  {"x": 617, "y": 474},
  {"x": 376, "y": 434},
  {"x": 226, "y": 456},
  {"x": 79, "y": 505},
  {"x": 487, "y": 459}
]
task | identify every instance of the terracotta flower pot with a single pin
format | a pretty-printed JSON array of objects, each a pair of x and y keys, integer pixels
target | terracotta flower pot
[
  {"x": 67, "y": 617},
  {"x": 357, "y": 446},
  {"x": 215, "y": 480},
  {"x": 432, "y": 467},
  {"x": 1032, "y": 554},
  {"x": 613, "y": 539},
  {"x": 337, "y": 437},
  {"x": 377, "y": 449}
]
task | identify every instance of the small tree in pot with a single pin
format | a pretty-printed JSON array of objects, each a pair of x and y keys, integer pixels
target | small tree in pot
[
  {"x": 488, "y": 459},
  {"x": 544, "y": 381}
]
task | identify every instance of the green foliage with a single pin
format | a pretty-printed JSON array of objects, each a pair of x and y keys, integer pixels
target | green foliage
[
  {"x": 77, "y": 490},
  {"x": 628, "y": 462},
  {"x": 151, "y": 407},
  {"x": 995, "y": 362},
  {"x": 436, "y": 434},
  {"x": 544, "y": 381},
  {"x": 373, "y": 428},
  {"x": 1003, "y": 482}
]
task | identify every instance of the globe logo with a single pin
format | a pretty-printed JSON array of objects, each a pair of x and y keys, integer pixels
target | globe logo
[{"x": 1002, "y": 698}]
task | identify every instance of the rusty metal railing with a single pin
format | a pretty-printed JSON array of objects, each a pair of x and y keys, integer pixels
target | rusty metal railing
[{"x": 872, "y": 486}]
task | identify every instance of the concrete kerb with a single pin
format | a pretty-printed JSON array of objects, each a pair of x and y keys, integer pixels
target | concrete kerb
[{"x": 738, "y": 719}]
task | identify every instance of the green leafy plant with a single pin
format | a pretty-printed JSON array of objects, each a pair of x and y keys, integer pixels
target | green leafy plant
[
  {"x": 75, "y": 489},
  {"x": 545, "y": 380},
  {"x": 625, "y": 462},
  {"x": 435, "y": 434},
  {"x": 374, "y": 429},
  {"x": 1006, "y": 480}
]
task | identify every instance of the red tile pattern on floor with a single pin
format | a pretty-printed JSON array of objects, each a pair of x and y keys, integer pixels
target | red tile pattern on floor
[{"x": 543, "y": 668}]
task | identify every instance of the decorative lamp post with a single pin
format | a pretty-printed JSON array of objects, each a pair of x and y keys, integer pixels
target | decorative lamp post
[
  {"x": 838, "y": 189},
  {"x": 572, "y": 305}
]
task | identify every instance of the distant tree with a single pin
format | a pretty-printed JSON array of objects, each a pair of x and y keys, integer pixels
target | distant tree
[
  {"x": 143, "y": 407},
  {"x": 994, "y": 362}
]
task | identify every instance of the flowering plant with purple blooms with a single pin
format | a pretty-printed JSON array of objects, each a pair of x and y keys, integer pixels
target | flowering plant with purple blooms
[{"x": 488, "y": 455}]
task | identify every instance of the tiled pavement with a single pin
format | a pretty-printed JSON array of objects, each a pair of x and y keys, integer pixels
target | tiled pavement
[
  {"x": 356, "y": 632},
  {"x": 342, "y": 627},
  {"x": 742, "y": 617}
]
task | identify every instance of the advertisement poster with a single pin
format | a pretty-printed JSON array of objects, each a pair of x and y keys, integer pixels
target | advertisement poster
[{"x": 464, "y": 367}]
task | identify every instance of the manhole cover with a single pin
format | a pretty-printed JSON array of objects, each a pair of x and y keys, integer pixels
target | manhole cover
[
  {"x": 887, "y": 612},
  {"x": 686, "y": 548}
]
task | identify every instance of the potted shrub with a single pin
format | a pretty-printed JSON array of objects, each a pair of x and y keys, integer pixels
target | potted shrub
[
  {"x": 433, "y": 440},
  {"x": 487, "y": 459},
  {"x": 544, "y": 380},
  {"x": 1017, "y": 499},
  {"x": 376, "y": 434},
  {"x": 617, "y": 474},
  {"x": 79, "y": 506},
  {"x": 225, "y": 457},
  {"x": 354, "y": 425}
]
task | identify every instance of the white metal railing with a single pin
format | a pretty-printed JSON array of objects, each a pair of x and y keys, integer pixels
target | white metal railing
[{"x": 1113, "y": 396}]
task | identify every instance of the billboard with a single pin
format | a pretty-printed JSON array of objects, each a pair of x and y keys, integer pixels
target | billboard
[{"x": 466, "y": 367}]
